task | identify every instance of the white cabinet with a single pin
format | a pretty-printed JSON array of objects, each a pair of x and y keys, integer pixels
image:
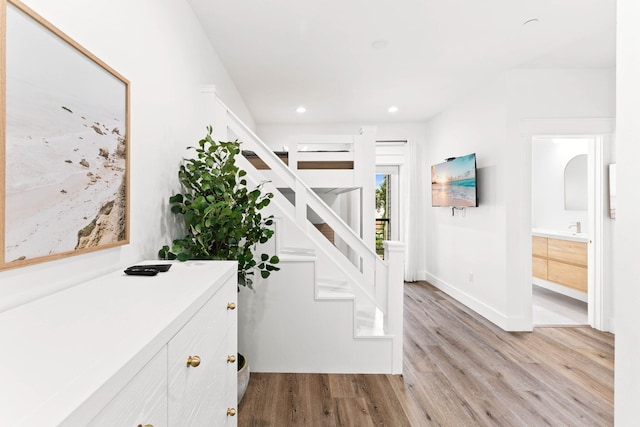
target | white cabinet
[
  {"x": 200, "y": 374},
  {"x": 141, "y": 402},
  {"x": 115, "y": 351}
]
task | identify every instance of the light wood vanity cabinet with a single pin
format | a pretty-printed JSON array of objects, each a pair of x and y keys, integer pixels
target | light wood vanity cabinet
[
  {"x": 540, "y": 267},
  {"x": 539, "y": 246},
  {"x": 568, "y": 252},
  {"x": 560, "y": 261},
  {"x": 125, "y": 351},
  {"x": 539, "y": 252}
]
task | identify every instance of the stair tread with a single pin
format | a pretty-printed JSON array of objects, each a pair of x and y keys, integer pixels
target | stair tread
[
  {"x": 329, "y": 294},
  {"x": 288, "y": 255},
  {"x": 291, "y": 258},
  {"x": 371, "y": 333},
  {"x": 301, "y": 251},
  {"x": 297, "y": 254},
  {"x": 332, "y": 283},
  {"x": 327, "y": 288}
]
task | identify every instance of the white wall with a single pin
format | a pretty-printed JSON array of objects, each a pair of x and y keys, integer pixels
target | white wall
[
  {"x": 480, "y": 258},
  {"x": 465, "y": 252},
  {"x": 549, "y": 159},
  {"x": 627, "y": 372},
  {"x": 160, "y": 48}
]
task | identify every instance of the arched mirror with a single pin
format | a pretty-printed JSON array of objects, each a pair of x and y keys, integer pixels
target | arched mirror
[{"x": 575, "y": 184}]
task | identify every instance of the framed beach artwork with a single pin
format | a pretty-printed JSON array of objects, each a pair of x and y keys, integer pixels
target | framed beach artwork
[{"x": 64, "y": 145}]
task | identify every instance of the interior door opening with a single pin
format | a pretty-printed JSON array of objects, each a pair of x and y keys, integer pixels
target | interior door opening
[{"x": 564, "y": 197}]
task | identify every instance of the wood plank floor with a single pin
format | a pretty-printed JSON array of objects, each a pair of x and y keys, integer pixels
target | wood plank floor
[{"x": 459, "y": 370}]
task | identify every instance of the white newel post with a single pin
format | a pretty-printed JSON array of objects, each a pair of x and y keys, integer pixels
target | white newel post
[
  {"x": 293, "y": 157},
  {"x": 209, "y": 108},
  {"x": 394, "y": 256},
  {"x": 218, "y": 112}
]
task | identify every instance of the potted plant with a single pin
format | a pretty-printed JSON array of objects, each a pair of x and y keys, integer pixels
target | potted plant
[{"x": 221, "y": 214}]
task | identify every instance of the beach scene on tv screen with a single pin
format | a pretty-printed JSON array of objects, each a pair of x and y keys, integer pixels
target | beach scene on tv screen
[{"x": 454, "y": 183}]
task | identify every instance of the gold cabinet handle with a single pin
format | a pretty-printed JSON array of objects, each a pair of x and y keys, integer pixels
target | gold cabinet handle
[
  {"x": 193, "y": 361},
  {"x": 146, "y": 425},
  {"x": 231, "y": 306},
  {"x": 231, "y": 359},
  {"x": 231, "y": 412}
]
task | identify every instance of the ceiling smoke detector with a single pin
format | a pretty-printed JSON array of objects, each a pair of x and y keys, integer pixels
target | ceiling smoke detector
[
  {"x": 379, "y": 44},
  {"x": 300, "y": 110}
]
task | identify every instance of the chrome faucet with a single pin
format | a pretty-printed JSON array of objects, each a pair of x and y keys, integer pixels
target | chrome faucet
[{"x": 578, "y": 227}]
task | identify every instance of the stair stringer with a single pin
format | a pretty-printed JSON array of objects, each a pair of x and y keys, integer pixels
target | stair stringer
[
  {"x": 289, "y": 237},
  {"x": 285, "y": 327},
  {"x": 282, "y": 327},
  {"x": 291, "y": 234}
]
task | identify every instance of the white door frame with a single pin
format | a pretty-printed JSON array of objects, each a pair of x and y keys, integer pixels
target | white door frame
[
  {"x": 595, "y": 296},
  {"x": 598, "y": 129},
  {"x": 392, "y": 156},
  {"x": 394, "y": 210},
  {"x": 596, "y": 237}
]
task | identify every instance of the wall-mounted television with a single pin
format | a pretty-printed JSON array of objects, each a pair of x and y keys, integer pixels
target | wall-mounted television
[{"x": 453, "y": 183}]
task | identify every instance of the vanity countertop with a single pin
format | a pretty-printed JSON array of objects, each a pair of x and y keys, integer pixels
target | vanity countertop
[{"x": 560, "y": 234}]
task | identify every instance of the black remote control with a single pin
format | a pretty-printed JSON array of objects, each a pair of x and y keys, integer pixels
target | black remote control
[
  {"x": 160, "y": 267},
  {"x": 141, "y": 271}
]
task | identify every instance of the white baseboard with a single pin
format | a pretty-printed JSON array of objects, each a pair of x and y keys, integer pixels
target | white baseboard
[
  {"x": 610, "y": 325},
  {"x": 572, "y": 293},
  {"x": 501, "y": 320}
]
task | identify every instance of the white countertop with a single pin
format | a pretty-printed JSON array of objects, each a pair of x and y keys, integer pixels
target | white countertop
[
  {"x": 562, "y": 235},
  {"x": 68, "y": 348}
]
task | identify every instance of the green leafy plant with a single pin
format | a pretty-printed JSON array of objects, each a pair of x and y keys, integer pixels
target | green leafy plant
[{"x": 221, "y": 214}]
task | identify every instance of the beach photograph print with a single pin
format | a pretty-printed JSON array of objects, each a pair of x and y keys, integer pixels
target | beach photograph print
[
  {"x": 66, "y": 145},
  {"x": 454, "y": 183}
]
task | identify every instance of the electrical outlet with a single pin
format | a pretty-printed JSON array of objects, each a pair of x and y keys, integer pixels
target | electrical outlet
[{"x": 470, "y": 277}]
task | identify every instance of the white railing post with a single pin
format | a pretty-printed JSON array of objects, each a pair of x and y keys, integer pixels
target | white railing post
[
  {"x": 220, "y": 122},
  {"x": 208, "y": 110},
  {"x": 365, "y": 152},
  {"x": 369, "y": 262},
  {"x": 394, "y": 256},
  {"x": 293, "y": 157},
  {"x": 381, "y": 285},
  {"x": 301, "y": 204}
]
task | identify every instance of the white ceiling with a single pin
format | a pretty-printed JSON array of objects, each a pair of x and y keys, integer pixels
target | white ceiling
[{"x": 286, "y": 53}]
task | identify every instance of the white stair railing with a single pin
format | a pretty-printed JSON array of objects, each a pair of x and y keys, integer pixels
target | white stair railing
[{"x": 372, "y": 274}]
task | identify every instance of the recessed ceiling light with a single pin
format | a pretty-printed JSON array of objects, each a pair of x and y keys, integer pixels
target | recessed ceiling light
[
  {"x": 393, "y": 109},
  {"x": 532, "y": 21},
  {"x": 379, "y": 44},
  {"x": 300, "y": 109}
]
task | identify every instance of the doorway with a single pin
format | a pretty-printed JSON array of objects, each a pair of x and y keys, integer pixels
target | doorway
[
  {"x": 565, "y": 223},
  {"x": 387, "y": 206}
]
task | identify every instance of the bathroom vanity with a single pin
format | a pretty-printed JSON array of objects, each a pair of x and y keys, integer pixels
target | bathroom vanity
[
  {"x": 559, "y": 262},
  {"x": 125, "y": 350}
]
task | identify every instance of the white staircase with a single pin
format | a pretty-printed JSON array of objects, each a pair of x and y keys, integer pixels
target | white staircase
[{"x": 322, "y": 312}]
